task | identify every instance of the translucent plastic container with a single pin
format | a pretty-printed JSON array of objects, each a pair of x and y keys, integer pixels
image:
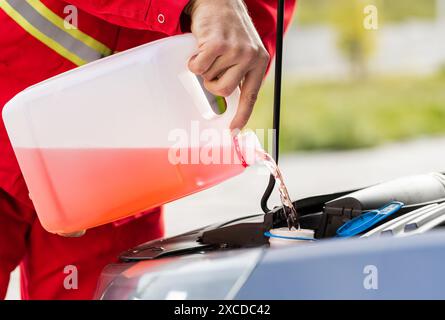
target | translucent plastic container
[{"x": 95, "y": 143}]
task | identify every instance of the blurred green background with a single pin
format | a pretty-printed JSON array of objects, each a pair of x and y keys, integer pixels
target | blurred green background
[
  {"x": 320, "y": 11},
  {"x": 367, "y": 102}
]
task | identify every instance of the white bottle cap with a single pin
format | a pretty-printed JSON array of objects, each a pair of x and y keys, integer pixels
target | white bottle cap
[{"x": 284, "y": 236}]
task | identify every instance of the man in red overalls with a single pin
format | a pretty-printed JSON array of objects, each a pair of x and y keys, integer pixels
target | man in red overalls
[{"x": 38, "y": 42}]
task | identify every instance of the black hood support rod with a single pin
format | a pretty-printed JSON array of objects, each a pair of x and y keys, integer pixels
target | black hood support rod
[{"x": 277, "y": 101}]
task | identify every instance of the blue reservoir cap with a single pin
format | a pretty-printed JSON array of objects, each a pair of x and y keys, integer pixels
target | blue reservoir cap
[{"x": 368, "y": 219}]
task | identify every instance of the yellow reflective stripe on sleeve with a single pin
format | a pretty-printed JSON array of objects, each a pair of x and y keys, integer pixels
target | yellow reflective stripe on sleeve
[
  {"x": 74, "y": 32},
  {"x": 10, "y": 11}
]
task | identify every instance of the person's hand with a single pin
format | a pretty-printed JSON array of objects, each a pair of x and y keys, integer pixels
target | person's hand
[
  {"x": 73, "y": 234},
  {"x": 230, "y": 52}
]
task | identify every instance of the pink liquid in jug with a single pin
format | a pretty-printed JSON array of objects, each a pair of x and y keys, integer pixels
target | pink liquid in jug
[{"x": 76, "y": 189}]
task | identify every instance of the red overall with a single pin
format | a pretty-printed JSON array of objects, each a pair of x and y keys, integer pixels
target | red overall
[{"x": 26, "y": 59}]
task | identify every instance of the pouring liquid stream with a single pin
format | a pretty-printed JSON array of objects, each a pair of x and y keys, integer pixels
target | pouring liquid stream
[
  {"x": 289, "y": 212},
  {"x": 248, "y": 147}
]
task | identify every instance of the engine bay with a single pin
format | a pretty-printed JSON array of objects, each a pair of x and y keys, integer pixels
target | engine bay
[{"x": 402, "y": 207}]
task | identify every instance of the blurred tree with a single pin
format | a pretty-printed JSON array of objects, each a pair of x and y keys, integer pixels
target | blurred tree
[
  {"x": 356, "y": 32},
  {"x": 402, "y": 10},
  {"x": 347, "y": 17}
]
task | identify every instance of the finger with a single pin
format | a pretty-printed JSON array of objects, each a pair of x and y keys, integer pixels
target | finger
[
  {"x": 227, "y": 83},
  {"x": 73, "y": 234},
  {"x": 219, "y": 66},
  {"x": 202, "y": 61},
  {"x": 249, "y": 93}
]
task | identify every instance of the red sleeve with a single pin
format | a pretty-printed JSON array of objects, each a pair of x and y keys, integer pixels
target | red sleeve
[
  {"x": 155, "y": 15},
  {"x": 164, "y": 16},
  {"x": 264, "y": 16}
]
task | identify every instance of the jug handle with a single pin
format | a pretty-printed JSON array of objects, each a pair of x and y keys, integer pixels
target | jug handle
[
  {"x": 232, "y": 102},
  {"x": 195, "y": 89}
]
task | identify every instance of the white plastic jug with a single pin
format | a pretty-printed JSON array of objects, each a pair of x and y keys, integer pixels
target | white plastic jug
[{"x": 94, "y": 143}]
